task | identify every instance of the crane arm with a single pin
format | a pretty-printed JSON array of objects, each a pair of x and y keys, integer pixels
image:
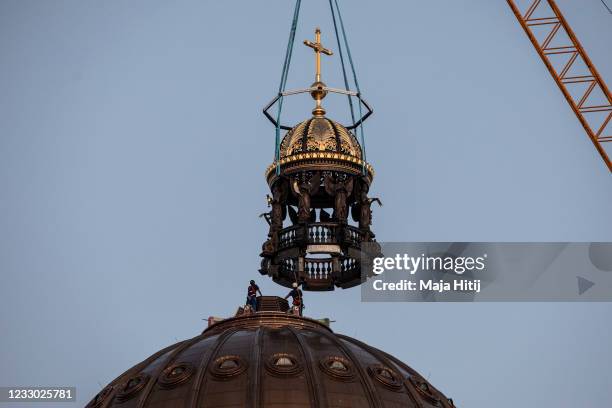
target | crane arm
[{"x": 600, "y": 132}]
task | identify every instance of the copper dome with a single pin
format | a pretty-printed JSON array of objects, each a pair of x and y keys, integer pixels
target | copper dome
[{"x": 270, "y": 359}]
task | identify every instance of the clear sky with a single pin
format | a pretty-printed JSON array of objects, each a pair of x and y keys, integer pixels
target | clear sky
[{"x": 132, "y": 151}]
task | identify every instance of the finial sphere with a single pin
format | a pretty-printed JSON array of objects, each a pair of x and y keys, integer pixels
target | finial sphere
[{"x": 318, "y": 94}]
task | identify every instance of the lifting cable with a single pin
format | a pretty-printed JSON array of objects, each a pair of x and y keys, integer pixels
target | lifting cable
[
  {"x": 281, "y": 89},
  {"x": 283, "y": 82},
  {"x": 350, "y": 58},
  {"x": 346, "y": 83}
]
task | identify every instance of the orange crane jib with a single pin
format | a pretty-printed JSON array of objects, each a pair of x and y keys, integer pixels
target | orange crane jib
[{"x": 585, "y": 91}]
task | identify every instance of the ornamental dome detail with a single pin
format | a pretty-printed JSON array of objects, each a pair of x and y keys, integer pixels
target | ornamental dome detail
[
  {"x": 319, "y": 134},
  {"x": 270, "y": 359},
  {"x": 319, "y": 143}
]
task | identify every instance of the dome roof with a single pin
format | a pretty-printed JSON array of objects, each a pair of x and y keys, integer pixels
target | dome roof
[
  {"x": 319, "y": 143},
  {"x": 270, "y": 359},
  {"x": 319, "y": 134}
]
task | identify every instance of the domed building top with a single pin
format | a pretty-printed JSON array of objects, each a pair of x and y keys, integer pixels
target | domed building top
[
  {"x": 320, "y": 211},
  {"x": 320, "y": 134},
  {"x": 319, "y": 143},
  {"x": 270, "y": 359}
]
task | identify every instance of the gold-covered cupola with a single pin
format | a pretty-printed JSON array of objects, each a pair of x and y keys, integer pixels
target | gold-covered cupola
[
  {"x": 320, "y": 212},
  {"x": 319, "y": 142}
]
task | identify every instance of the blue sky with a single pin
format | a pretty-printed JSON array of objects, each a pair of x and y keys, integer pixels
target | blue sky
[{"x": 132, "y": 151}]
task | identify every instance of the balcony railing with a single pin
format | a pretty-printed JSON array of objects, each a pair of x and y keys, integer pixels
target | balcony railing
[
  {"x": 318, "y": 269},
  {"x": 320, "y": 233}
]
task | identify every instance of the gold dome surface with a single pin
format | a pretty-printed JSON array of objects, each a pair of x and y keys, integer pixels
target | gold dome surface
[
  {"x": 319, "y": 143},
  {"x": 319, "y": 134}
]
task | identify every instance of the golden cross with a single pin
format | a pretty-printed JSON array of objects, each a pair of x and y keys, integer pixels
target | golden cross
[{"x": 318, "y": 48}]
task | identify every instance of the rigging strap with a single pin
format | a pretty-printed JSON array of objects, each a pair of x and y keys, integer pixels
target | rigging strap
[
  {"x": 283, "y": 82},
  {"x": 350, "y": 58},
  {"x": 346, "y": 83},
  {"x": 281, "y": 89}
]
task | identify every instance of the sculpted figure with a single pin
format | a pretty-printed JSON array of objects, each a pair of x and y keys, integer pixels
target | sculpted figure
[
  {"x": 275, "y": 216},
  {"x": 303, "y": 191},
  {"x": 362, "y": 211},
  {"x": 277, "y": 202},
  {"x": 271, "y": 245},
  {"x": 340, "y": 190}
]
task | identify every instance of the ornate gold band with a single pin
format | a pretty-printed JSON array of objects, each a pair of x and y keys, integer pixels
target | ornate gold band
[{"x": 317, "y": 161}]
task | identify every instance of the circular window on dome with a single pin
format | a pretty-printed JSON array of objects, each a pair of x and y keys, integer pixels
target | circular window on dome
[
  {"x": 175, "y": 375},
  {"x": 132, "y": 386},
  {"x": 228, "y": 366},
  {"x": 338, "y": 368},
  {"x": 386, "y": 376},
  {"x": 424, "y": 389},
  {"x": 100, "y": 398},
  {"x": 283, "y": 364}
]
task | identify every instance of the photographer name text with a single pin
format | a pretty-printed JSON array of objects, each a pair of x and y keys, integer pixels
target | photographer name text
[{"x": 428, "y": 285}]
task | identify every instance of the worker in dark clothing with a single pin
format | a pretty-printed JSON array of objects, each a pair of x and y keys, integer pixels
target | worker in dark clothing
[
  {"x": 298, "y": 299},
  {"x": 252, "y": 295}
]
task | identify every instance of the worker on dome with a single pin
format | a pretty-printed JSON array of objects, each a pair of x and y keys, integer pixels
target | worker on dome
[
  {"x": 252, "y": 295},
  {"x": 298, "y": 301}
]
